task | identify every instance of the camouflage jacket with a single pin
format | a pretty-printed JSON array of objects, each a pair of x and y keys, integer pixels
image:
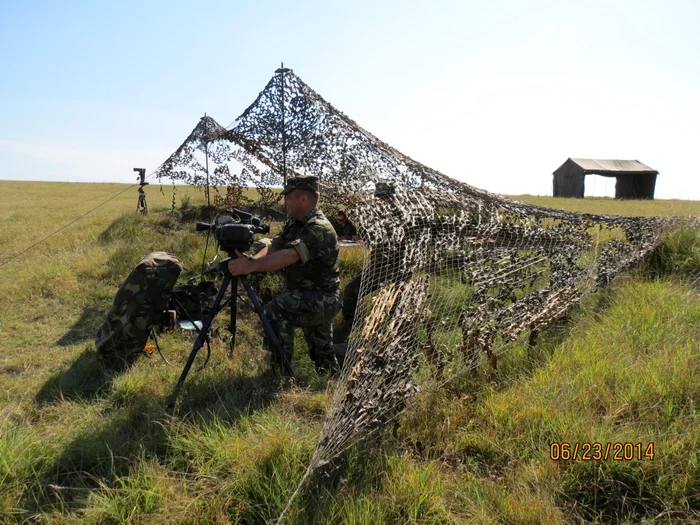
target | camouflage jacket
[
  {"x": 314, "y": 239},
  {"x": 346, "y": 229}
]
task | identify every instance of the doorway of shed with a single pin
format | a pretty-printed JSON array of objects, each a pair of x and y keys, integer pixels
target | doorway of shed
[{"x": 599, "y": 186}]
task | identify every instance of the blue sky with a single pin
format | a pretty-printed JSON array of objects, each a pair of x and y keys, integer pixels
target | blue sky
[{"x": 496, "y": 94}]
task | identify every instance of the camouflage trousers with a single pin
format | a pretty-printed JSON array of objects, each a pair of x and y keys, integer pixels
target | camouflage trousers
[
  {"x": 313, "y": 312},
  {"x": 351, "y": 294}
]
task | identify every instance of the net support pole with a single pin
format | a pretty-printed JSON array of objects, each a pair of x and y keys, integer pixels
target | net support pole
[
  {"x": 281, "y": 71},
  {"x": 206, "y": 168},
  {"x": 206, "y": 165}
]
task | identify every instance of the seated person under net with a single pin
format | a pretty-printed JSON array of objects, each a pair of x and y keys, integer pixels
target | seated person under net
[{"x": 344, "y": 227}]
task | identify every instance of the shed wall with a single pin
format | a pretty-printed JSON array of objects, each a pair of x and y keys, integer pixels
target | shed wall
[
  {"x": 635, "y": 186},
  {"x": 568, "y": 181}
]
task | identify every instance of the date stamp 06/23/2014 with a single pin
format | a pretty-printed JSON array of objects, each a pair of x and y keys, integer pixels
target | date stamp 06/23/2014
[{"x": 601, "y": 451}]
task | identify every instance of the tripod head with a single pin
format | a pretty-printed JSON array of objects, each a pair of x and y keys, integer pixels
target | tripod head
[{"x": 235, "y": 231}]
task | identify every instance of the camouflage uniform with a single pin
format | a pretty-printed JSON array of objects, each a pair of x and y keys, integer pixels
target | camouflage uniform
[
  {"x": 385, "y": 264},
  {"x": 312, "y": 298},
  {"x": 345, "y": 229}
]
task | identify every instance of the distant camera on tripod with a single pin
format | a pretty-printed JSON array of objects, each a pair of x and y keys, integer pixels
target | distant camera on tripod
[
  {"x": 235, "y": 231},
  {"x": 142, "y": 176}
]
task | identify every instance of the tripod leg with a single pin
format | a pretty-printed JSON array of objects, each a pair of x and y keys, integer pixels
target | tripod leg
[
  {"x": 203, "y": 333},
  {"x": 232, "y": 324},
  {"x": 271, "y": 335}
]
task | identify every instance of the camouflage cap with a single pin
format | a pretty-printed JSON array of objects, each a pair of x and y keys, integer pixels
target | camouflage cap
[{"x": 308, "y": 183}]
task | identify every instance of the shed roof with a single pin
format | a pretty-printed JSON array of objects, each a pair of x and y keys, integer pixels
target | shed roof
[{"x": 613, "y": 166}]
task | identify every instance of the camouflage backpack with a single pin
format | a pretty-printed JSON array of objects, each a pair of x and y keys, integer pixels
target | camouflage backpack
[{"x": 138, "y": 306}]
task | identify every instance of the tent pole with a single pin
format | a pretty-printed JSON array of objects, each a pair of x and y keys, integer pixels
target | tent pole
[
  {"x": 281, "y": 71},
  {"x": 206, "y": 164},
  {"x": 206, "y": 152}
]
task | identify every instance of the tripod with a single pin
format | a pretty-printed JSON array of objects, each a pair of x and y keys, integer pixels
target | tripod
[
  {"x": 141, "y": 204},
  {"x": 217, "y": 307}
]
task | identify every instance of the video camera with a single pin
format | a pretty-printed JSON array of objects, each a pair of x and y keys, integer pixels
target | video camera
[
  {"x": 142, "y": 176},
  {"x": 235, "y": 231}
]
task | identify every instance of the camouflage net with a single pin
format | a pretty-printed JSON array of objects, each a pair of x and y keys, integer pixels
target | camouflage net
[{"x": 453, "y": 274}]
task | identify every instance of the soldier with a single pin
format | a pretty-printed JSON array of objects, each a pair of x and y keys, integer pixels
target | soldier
[
  {"x": 344, "y": 227},
  {"x": 385, "y": 264},
  {"x": 307, "y": 250}
]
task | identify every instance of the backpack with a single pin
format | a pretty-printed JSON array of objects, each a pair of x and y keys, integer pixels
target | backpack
[
  {"x": 138, "y": 307},
  {"x": 192, "y": 302}
]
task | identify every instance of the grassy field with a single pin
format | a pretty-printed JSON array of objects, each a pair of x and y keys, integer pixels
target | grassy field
[
  {"x": 81, "y": 445},
  {"x": 607, "y": 205}
]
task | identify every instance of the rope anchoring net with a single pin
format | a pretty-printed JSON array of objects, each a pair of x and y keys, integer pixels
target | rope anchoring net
[{"x": 452, "y": 274}]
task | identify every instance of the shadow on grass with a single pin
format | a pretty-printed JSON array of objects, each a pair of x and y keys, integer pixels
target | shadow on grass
[
  {"x": 88, "y": 378},
  {"x": 228, "y": 401},
  {"x": 85, "y": 380},
  {"x": 111, "y": 450},
  {"x": 84, "y": 328}
]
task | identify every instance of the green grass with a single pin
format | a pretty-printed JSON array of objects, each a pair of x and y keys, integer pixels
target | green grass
[
  {"x": 680, "y": 255},
  {"x": 80, "y": 445},
  {"x": 609, "y": 206}
]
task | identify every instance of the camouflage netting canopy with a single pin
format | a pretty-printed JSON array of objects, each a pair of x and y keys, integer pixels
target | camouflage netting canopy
[{"x": 452, "y": 273}]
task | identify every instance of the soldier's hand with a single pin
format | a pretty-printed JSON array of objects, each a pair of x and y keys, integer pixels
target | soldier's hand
[{"x": 241, "y": 265}]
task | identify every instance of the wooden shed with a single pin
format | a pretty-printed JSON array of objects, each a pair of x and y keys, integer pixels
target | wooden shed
[{"x": 634, "y": 179}]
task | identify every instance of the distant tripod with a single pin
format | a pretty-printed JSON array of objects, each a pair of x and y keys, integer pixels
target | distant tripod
[{"x": 141, "y": 204}]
